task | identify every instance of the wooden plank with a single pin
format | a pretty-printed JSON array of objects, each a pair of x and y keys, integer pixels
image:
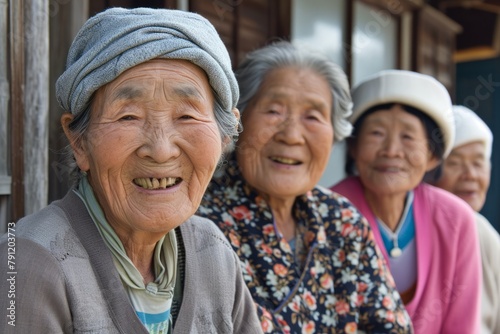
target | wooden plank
[
  {"x": 64, "y": 25},
  {"x": 4, "y": 91},
  {"x": 36, "y": 105},
  {"x": 16, "y": 8},
  {"x": 348, "y": 33},
  {"x": 434, "y": 45},
  {"x": 170, "y": 4}
]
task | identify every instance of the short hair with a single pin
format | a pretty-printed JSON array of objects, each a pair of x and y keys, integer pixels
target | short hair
[{"x": 257, "y": 64}]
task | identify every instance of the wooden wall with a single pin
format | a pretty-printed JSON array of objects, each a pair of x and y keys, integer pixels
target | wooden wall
[
  {"x": 65, "y": 22},
  {"x": 36, "y": 104}
]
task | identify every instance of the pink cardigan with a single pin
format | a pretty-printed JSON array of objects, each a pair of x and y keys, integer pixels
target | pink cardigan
[{"x": 447, "y": 297}]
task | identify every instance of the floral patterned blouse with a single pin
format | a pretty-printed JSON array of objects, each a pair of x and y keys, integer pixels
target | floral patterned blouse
[{"x": 342, "y": 284}]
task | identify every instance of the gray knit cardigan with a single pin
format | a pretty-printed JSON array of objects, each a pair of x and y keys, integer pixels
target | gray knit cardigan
[{"x": 64, "y": 279}]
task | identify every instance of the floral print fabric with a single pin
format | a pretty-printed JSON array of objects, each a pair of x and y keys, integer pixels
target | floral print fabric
[{"x": 345, "y": 286}]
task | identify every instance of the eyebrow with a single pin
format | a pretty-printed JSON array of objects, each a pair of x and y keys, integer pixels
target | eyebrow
[
  {"x": 408, "y": 125},
  {"x": 187, "y": 92},
  {"x": 319, "y": 105},
  {"x": 480, "y": 155},
  {"x": 130, "y": 93},
  {"x": 127, "y": 93}
]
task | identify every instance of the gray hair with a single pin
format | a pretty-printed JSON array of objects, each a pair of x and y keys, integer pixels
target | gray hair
[
  {"x": 228, "y": 124},
  {"x": 250, "y": 75}
]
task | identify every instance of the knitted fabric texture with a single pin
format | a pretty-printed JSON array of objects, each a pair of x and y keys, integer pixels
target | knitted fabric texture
[{"x": 118, "y": 39}]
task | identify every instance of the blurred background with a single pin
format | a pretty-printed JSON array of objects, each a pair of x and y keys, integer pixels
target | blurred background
[{"x": 456, "y": 41}]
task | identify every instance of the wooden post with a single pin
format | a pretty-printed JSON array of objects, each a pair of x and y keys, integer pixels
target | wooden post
[
  {"x": 5, "y": 179},
  {"x": 36, "y": 103},
  {"x": 348, "y": 53},
  {"x": 16, "y": 38}
]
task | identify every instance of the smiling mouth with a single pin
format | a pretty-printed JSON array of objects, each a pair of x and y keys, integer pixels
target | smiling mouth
[
  {"x": 466, "y": 193},
  {"x": 286, "y": 161},
  {"x": 152, "y": 183},
  {"x": 389, "y": 169}
]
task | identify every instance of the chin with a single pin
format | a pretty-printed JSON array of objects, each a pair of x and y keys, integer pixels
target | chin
[{"x": 477, "y": 205}]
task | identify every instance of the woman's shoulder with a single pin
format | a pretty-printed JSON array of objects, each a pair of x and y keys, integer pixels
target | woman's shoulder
[
  {"x": 203, "y": 233},
  {"x": 46, "y": 239},
  {"x": 339, "y": 213},
  {"x": 488, "y": 235},
  {"x": 446, "y": 210},
  {"x": 441, "y": 201},
  {"x": 207, "y": 248},
  {"x": 347, "y": 186},
  {"x": 433, "y": 193},
  {"x": 43, "y": 226},
  {"x": 331, "y": 198}
]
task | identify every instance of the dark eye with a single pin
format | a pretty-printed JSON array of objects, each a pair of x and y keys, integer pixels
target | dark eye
[
  {"x": 313, "y": 115},
  {"x": 452, "y": 163},
  {"x": 407, "y": 136},
  {"x": 478, "y": 163},
  {"x": 273, "y": 108},
  {"x": 128, "y": 118}
]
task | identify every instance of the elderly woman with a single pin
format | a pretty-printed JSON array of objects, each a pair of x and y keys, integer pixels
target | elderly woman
[
  {"x": 466, "y": 173},
  {"x": 309, "y": 258},
  {"x": 151, "y": 100},
  {"x": 403, "y": 127}
]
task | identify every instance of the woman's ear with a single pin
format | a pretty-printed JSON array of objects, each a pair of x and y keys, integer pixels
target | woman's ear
[
  {"x": 351, "y": 147},
  {"x": 77, "y": 144},
  {"x": 236, "y": 113},
  {"x": 433, "y": 162},
  {"x": 226, "y": 144}
]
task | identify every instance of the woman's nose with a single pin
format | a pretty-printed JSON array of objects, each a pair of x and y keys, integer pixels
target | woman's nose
[
  {"x": 392, "y": 146},
  {"x": 469, "y": 171},
  {"x": 160, "y": 144},
  {"x": 290, "y": 131}
]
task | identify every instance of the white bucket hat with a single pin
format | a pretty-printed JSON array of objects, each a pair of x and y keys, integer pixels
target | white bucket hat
[
  {"x": 470, "y": 128},
  {"x": 417, "y": 90}
]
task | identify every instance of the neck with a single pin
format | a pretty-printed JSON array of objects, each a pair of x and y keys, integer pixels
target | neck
[
  {"x": 140, "y": 250},
  {"x": 282, "y": 213},
  {"x": 388, "y": 208}
]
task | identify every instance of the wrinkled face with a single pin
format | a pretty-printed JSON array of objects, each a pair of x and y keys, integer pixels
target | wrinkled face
[
  {"x": 392, "y": 152},
  {"x": 287, "y": 133},
  {"x": 152, "y": 145},
  {"x": 466, "y": 173}
]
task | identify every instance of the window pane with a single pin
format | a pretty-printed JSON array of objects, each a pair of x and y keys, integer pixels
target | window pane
[
  {"x": 374, "y": 41},
  {"x": 319, "y": 24}
]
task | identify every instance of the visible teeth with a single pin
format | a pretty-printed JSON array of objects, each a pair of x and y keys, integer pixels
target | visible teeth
[
  {"x": 286, "y": 160},
  {"x": 138, "y": 182},
  {"x": 154, "y": 183},
  {"x": 163, "y": 183}
]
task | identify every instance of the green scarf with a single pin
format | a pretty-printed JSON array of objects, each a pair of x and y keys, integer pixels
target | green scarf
[{"x": 165, "y": 254}]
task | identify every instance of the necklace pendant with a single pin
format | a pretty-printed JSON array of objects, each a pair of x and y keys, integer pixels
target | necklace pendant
[{"x": 396, "y": 252}]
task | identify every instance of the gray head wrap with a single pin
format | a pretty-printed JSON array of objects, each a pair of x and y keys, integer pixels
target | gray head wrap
[{"x": 118, "y": 39}]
